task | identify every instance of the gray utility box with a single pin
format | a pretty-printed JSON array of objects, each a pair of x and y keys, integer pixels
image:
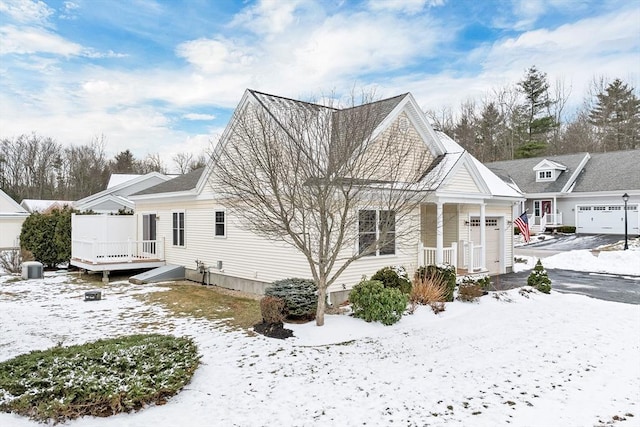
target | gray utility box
[
  {"x": 92, "y": 296},
  {"x": 32, "y": 270}
]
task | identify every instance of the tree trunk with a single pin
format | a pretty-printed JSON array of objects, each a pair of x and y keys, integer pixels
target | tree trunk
[{"x": 322, "y": 296}]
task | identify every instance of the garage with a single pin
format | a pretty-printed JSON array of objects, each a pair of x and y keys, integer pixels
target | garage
[
  {"x": 494, "y": 258},
  {"x": 606, "y": 219}
]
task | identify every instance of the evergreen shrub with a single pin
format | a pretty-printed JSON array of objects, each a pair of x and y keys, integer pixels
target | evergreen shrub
[
  {"x": 300, "y": 297},
  {"x": 394, "y": 278},
  {"x": 446, "y": 272},
  {"x": 372, "y": 302},
  {"x": 539, "y": 279},
  {"x": 48, "y": 236}
]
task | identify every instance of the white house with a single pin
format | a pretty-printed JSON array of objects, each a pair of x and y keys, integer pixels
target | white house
[
  {"x": 582, "y": 190},
  {"x": 12, "y": 215},
  {"x": 466, "y": 220}
]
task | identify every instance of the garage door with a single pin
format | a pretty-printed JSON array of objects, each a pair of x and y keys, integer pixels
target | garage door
[
  {"x": 493, "y": 235},
  {"x": 606, "y": 219}
]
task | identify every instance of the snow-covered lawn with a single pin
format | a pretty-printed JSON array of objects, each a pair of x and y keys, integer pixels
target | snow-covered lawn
[{"x": 525, "y": 359}]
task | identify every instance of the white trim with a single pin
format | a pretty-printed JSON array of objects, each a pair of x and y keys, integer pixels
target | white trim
[{"x": 574, "y": 176}]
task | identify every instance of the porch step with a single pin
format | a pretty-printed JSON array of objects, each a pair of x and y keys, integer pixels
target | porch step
[{"x": 160, "y": 274}]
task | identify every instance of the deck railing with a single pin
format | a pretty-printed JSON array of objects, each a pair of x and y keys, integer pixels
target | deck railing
[
  {"x": 449, "y": 255},
  {"x": 472, "y": 257},
  {"x": 97, "y": 252}
]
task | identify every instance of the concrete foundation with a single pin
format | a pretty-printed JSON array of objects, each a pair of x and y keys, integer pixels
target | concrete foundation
[{"x": 212, "y": 277}]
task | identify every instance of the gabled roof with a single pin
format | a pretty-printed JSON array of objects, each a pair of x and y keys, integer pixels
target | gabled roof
[
  {"x": 35, "y": 205},
  {"x": 521, "y": 172},
  {"x": 549, "y": 164},
  {"x": 126, "y": 185},
  {"x": 612, "y": 171},
  {"x": 8, "y": 206},
  {"x": 186, "y": 182}
]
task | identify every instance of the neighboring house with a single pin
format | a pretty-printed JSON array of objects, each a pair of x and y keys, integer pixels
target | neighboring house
[
  {"x": 12, "y": 215},
  {"x": 44, "y": 206},
  {"x": 581, "y": 190},
  {"x": 467, "y": 221},
  {"x": 116, "y": 196}
]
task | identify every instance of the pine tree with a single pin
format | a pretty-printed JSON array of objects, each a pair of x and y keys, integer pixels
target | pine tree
[
  {"x": 537, "y": 121},
  {"x": 539, "y": 279},
  {"x": 616, "y": 116}
]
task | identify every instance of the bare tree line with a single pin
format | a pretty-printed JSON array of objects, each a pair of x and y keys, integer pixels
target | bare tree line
[
  {"x": 38, "y": 167},
  {"x": 529, "y": 118}
]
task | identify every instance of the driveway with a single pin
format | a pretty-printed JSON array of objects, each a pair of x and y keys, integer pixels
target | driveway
[{"x": 609, "y": 287}]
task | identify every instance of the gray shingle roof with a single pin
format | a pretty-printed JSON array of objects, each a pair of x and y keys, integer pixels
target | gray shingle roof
[
  {"x": 521, "y": 172},
  {"x": 184, "y": 182},
  {"x": 616, "y": 170}
]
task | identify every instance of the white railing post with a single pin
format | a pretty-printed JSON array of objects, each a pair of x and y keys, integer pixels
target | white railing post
[
  {"x": 421, "y": 257},
  {"x": 454, "y": 254},
  {"x": 470, "y": 263},
  {"x": 129, "y": 250},
  {"x": 439, "y": 232}
]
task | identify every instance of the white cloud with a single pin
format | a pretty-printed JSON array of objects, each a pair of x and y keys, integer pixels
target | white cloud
[
  {"x": 197, "y": 116},
  {"x": 27, "y": 40},
  {"x": 26, "y": 11},
  {"x": 69, "y": 9},
  {"x": 268, "y": 16},
  {"x": 215, "y": 55},
  {"x": 405, "y": 6}
]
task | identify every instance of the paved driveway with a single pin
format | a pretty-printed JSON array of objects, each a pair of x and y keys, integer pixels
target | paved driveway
[{"x": 609, "y": 287}]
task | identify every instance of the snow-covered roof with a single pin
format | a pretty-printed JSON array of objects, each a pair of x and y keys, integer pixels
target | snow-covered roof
[
  {"x": 119, "y": 178},
  {"x": 35, "y": 205}
]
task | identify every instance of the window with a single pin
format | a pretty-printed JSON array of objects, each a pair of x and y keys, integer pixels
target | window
[
  {"x": 544, "y": 175},
  {"x": 178, "y": 229},
  {"x": 375, "y": 226},
  {"x": 219, "y": 230}
]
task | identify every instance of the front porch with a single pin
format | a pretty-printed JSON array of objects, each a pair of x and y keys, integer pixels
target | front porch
[{"x": 472, "y": 237}]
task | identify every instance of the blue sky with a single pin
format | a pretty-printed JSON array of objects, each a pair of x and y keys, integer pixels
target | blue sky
[{"x": 164, "y": 76}]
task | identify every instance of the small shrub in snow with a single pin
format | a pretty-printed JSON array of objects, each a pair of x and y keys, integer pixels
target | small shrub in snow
[
  {"x": 431, "y": 291},
  {"x": 272, "y": 309},
  {"x": 393, "y": 277},
  {"x": 446, "y": 272},
  {"x": 539, "y": 279},
  {"x": 101, "y": 378},
  {"x": 372, "y": 302},
  {"x": 11, "y": 260},
  {"x": 469, "y": 292},
  {"x": 300, "y": 297}
]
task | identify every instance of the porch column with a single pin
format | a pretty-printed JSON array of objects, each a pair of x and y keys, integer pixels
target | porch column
[
  {"x": 483, "y": 264},
  {"x": 439, "y": 233},
  {"x": 553, "y": 211}
]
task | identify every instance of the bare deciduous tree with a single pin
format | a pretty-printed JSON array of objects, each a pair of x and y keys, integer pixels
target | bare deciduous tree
[{"x": 320, "y": 179}]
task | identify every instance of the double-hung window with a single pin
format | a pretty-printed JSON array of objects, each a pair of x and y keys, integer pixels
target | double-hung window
[
  {"x": 178, "y": 228},
  {"x": 219, "y": 225},
  {"x": 377, "y": 226}
]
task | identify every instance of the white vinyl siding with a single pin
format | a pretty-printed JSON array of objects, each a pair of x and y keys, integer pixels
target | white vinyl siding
[{"x": 462, "y": 182}]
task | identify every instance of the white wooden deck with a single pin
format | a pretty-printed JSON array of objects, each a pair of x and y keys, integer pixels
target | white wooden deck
[{"x": 93, "y": 255}]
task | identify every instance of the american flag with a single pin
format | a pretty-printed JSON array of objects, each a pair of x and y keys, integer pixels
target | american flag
[{"x": 523, "y": 225}]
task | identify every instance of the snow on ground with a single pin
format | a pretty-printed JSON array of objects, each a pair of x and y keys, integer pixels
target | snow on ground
[{"x": 525, "y": 359}]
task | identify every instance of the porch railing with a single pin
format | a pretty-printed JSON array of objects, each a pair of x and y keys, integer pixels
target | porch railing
[
  {"x": 97, "y": 252},
  {"x": 472, "y": 256},
  {"x": 449, "y": 255},
  {"x": 551, "y": 219}
]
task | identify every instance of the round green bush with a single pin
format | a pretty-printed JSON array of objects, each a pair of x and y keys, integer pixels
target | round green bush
[
  {"x": 372, "y": 302},
  {"x": 300, "y": 297},
  {"x": 395, "y": 278},
  {"x": 101, "y": 378}
]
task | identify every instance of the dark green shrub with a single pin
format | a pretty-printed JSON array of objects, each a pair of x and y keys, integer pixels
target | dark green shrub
[
  {"x": 393, "y": 278},
  {"x": 566, "y": 229},
  {"x": 300, "y": 297},
  {"x": 372, "y": 302},
  {"x": 483, "y": 282},
  {"x": 516, "y": 231},
  {"x": 101, "y": 378},
  {"x": 48, "y": 236},
  {"x": 272, "y": 309},
  {"x": 446, "y": 272},
  {"x": 539, "y": 279}
]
